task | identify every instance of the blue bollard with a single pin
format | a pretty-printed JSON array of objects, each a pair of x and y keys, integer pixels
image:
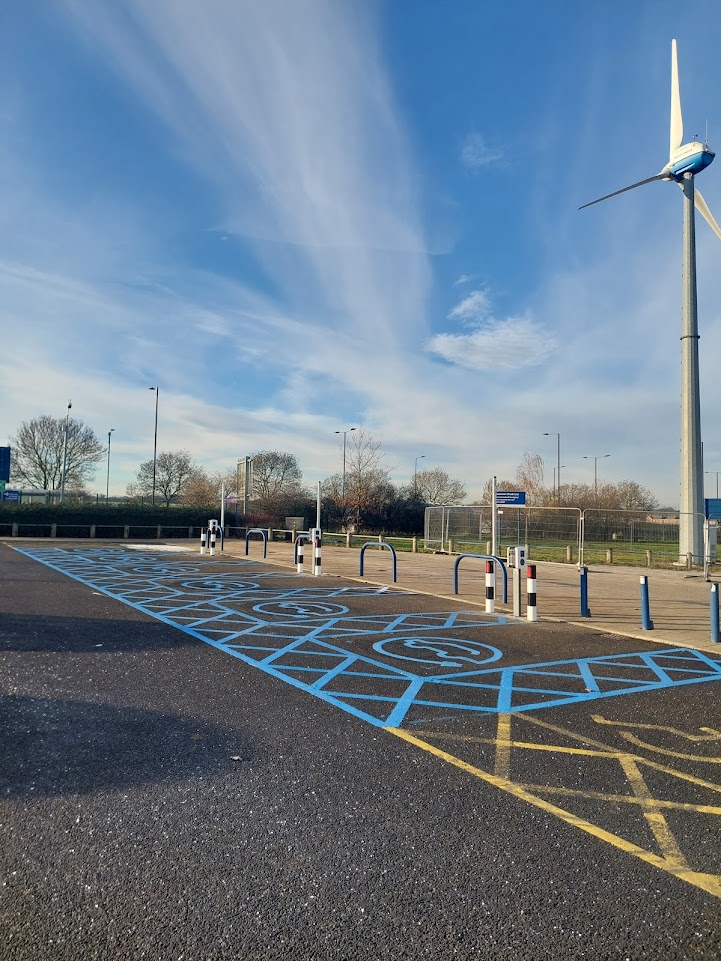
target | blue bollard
[
  {"x": 715, "y": 615},
  {"x": 646, "y": 622},
  {"x": 585, "y": 610}
]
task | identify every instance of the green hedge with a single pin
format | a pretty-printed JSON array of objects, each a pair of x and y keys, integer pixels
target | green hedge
[{"x": 113, "y": 515}]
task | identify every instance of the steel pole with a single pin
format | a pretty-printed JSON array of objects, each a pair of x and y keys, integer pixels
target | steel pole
[
  {"x": 107, "y": 483},
  {"x": 155, "y": 438},
  {"x": 65, "y": 452},
  {"x": 691, "y": 503},
  {"x": 343, "y": 483}
]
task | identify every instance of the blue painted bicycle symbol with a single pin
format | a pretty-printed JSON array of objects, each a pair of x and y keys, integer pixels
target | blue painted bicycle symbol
[
  {"x": 217, "y": 584},
  {"x": 300, "y": 608},
  {"x": 439, "y": 651}
]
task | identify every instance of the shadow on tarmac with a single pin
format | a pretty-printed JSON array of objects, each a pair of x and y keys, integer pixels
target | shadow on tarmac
[
  {"x": 58, "y": 634},
  {"x": 53, "y": 747}
]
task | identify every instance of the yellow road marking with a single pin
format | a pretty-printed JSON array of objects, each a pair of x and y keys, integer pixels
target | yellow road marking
[
  {"x": 621, "y": 798},
  {"x": 656, "y": 821},
  {"x": 681, "y": 775},
  {"x": 713, "y": 734},
  {"x": 502, "y": 765},
  {"x": 707, "y": 882},
  {"x": 632, "y": 739},
  {"x": 527, "y": 745}
]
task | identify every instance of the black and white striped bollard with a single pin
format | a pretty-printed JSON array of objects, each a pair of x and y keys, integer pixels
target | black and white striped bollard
[
  {"x": 202, "y": 540},
  {"x": 212, "y": 541},
  {"x": 490, "y": 587},
  {"x": 299, "y": 557},
  {"x": 317, "y": 562},
  {"x": 531, "y": 606}
]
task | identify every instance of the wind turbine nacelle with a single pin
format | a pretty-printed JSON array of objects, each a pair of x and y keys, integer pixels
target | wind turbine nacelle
[{"x": 690, "y": 158}]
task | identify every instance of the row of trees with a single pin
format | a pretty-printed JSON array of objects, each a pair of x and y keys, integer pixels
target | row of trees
[
  {"x": 624, "y": 495},
  {"x": 363, "y": 496}
]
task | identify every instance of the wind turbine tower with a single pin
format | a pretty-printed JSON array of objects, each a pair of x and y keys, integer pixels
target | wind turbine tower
[{"x": 684, "y": 162}]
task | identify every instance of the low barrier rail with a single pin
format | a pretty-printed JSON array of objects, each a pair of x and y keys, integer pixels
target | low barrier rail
[
  {"x": 486, "y": 557},
  {"x": 380, "y": 544},
  {"x": 263, "y": 533}
]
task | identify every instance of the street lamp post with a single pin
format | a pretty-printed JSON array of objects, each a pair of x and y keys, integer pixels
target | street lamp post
[
  {"x": 155, "y": 440},
  {"x": 596, "y": 459},
  {"x": 65, "y": 452},
  {"x": 716, "y": 472},
  {"x": 415, "y": 476},
  {"x": 554, "y": 476},
  {"x": 557, "y": 483},
  {"x": 107, "y": 483},
  {"x": 344, "y": 433}
]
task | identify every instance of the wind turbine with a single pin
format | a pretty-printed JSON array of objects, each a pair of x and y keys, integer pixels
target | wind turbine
[{"x": 684, "y": 162}]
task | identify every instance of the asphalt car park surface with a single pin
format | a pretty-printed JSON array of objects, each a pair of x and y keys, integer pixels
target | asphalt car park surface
[{"x": 213, "y": 758}]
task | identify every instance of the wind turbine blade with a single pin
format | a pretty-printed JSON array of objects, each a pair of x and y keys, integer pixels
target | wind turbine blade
[
  {"x": 623, "y": 190},
  {"x": 676, "y": 118},
  {"x": 702, "y": 208}
]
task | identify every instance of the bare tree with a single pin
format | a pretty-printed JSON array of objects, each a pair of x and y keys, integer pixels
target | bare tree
[
  {"x": 436, "y": 486},
  {"x": 367, "y": 482},
  {"x": 277, "y": 478},
  {"x": 173, "y": 472},
  {"x": 204, "y": 488},
  {"x": 529, "y": 477},
  {"x": 37, "y": 453}
]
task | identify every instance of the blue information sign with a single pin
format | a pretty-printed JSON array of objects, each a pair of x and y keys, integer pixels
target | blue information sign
[
  {"x": 9, "y": 495},
  {"x": 5, "y": 463},
  {"x": 511, "y": 498},
  {"x": 713, "y": 508}
]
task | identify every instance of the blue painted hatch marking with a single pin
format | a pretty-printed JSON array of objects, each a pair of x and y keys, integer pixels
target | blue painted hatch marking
[{"x": 300, "y": 649}]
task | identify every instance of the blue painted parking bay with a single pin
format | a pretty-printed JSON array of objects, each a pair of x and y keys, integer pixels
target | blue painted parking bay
[{"x": 375, "y": 652}]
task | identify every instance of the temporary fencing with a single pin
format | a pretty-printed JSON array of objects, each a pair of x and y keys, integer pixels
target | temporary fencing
[
  {"x": 554, "y": 530},
  {"x": 570, "y": 534},
  {"x": 644, "y": 538}
]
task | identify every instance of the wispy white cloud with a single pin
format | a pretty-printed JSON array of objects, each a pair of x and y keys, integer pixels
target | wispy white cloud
[
  {"x": 475, "y": 307},
  {"x": 511, "y": 343},
  {"x": 477, "y": 154},
  {"x": 287, "y": 108},
  {"x": 493, "y": 343}
]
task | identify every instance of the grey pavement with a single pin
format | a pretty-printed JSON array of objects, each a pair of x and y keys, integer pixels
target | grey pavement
[{"x": 679, "y": 601}]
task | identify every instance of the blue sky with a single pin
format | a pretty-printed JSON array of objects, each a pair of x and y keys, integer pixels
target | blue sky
[{"x": 297, "y": 217}]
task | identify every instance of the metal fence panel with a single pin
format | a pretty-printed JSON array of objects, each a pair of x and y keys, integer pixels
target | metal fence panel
[{"x": 642, "y": 537}]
